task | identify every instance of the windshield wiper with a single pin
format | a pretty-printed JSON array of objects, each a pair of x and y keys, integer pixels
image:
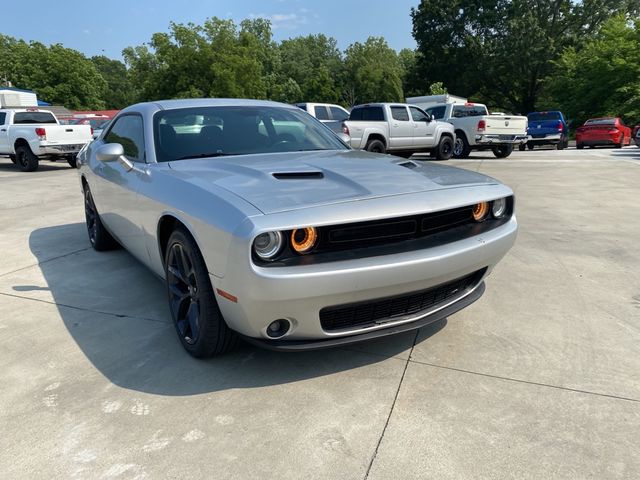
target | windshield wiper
[{"x": 204, "y": 155}]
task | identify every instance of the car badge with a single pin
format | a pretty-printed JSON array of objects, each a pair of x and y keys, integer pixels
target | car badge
[{"x": 506, "y": 123}]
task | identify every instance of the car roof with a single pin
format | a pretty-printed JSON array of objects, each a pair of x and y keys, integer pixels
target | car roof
[{"x": 209, "y": 102}]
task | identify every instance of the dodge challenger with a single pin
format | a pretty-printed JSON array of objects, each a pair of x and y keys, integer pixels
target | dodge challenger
[{"x": 265, "y": 226}]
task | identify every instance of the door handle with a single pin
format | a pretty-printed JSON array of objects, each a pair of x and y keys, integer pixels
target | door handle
[{"x": 3, "y": 129}]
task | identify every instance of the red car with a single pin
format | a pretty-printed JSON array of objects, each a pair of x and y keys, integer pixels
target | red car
[{"x": 603, "y": 131}]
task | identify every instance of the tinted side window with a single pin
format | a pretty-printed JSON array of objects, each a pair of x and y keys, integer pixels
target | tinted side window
[
  {"x": 321, "y": 112},
  {"x": 418, "y": 115},
  {"x": 370, "y": 114},
  {"x": 400, "y": 114},
  {"x": 128, "y": 132},
  {"x": 338, "y": 114},
  {"x": 437, "y": 112},
  {"x": 303, "y": 106},
  {"x": 3, "y": 116}
]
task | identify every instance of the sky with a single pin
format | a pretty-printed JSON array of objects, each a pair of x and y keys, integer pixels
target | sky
[{"x": 107, "y": 27}]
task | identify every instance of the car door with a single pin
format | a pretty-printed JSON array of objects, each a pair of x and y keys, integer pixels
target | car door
[
  {"x": 423, "y": 127},
  {"x": 338, "y": 114},
  {"x": 321, "y": 113},
  {"x": 4, "y": 134},
  {"x": 117, "y": 188},
  {"x": 400, "y": 127}
]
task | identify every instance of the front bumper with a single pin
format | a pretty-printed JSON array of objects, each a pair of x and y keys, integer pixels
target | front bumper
[
  {"x": 299, "y": 293},
  {"x": 500, "y": 139}
]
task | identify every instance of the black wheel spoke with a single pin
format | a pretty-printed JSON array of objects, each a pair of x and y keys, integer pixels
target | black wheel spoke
[
  {"x": 193, "y": 315},
  {"x": 183, "y": 292}
]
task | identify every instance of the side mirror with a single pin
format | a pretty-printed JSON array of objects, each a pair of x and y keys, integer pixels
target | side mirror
[
  {"x": 110, "y": 152},
  {"x": 429, "y": 117}
]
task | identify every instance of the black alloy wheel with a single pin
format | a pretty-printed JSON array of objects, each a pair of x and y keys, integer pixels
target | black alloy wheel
[
  {"x": 184, "y": 293},
  {"x": 197, "y": 318},
  {"x": 101, "y": 240}
]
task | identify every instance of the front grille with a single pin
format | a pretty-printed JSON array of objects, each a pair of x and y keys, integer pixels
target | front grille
[{"x": 366, "y": 314}]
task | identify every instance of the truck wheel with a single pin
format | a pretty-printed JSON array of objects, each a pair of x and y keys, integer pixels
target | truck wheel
[
  {"x": 25, "y": 159},
  {"x": 101, "y": 240},
  {"x": 522, "y": 147},
  {"x": 196, "y": 315},
  {"x": 461, "y": 147},
  {"x": 502, "y": 151},
  {"x": 72, "y": 161},
  {"x": 560, "y": 145},
  {"x": 445, "y": 149},
  {"x": 375, "y": 146},
  {"x": 579, "y": 146},
  {"x": 530, "y": 146},
  {"x": 12, "y": 158}
]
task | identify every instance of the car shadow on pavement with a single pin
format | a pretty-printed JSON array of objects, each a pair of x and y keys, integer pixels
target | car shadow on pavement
[
  {"x": 115, "y": 310},
  {"x": 7, "y": 166}
]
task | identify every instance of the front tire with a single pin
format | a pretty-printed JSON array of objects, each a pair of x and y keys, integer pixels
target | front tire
[
  {"x": 195, "y": 312},
  {"x": 502, "y": 151},
  {"x": 101, "y": 240},
  {"x": 461, "y": 147},
  {"x": 444, "y": 151},
  {"x": 25, "y": 159},
  {"x": 375, "y": 146}
]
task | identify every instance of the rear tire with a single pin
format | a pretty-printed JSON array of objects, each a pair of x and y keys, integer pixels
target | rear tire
[
  {"x": 13, "y": 159},
  {"x": 502, "y": 151},
  {"x": 101, "y": 240},
  {"x": 522, "y": 147},
  {"x": 444, "y": 150},
  {"x": 194, "y": 309},
  {"x": 25, "y": 159},
  {"x": 375, "y": 146},
  {"x": 72, "y": 160},
  {"x": 461, "y": 147},
  {"x": 560, "y": 145},
  {"x": 579, "y": 146},
  {"x": 530, "y": 146}
]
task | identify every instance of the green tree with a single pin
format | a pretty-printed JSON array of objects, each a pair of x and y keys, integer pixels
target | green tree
[
  {"x": 503, "y": 50},
  {"x": 57, "y": 74},
  {"x": 119, "y": 92},
  {"x": 603, "y": 77},
  {"x": 314, "y": 64},
  {"x": 373, "y": 72}
]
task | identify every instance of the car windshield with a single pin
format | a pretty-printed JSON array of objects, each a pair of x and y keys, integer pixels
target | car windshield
[
  {"x": 542, "y": 116},
  {"x": 215, "y": 131},
  {"x": 601, "y": 121}
]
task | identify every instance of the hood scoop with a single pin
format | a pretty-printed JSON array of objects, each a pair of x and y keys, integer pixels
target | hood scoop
[
  {"x": 309, "y": 175},
  {"x": 409, "y": 164}
]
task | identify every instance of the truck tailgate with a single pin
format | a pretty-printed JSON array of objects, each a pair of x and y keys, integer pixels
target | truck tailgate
[
  {"x": 67, "y": 134},
  {"x": 505, "y": 125}
]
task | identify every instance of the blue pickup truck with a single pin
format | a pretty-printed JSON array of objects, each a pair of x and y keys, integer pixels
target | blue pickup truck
[{"x": 547, "y": 128}]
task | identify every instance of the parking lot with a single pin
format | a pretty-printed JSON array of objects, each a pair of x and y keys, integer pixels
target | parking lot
[{"x": 538, "y": 379}]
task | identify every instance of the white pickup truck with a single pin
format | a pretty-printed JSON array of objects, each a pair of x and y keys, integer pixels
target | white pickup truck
[
  {"x": 29, "y": 135},
  {"x": 399, "y": 129},
  {"x": 475, "y": 128}
]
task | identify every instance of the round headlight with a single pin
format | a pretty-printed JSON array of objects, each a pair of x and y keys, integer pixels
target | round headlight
[
  {"x": 499, "y": 207},
  {"x": 480, "y": 211},
  {"x": 303, "y": 239},
  {"x": 267, "y": 245}
]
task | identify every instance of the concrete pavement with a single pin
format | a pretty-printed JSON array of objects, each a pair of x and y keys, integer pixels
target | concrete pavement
[{"x": 538, "y": 379}]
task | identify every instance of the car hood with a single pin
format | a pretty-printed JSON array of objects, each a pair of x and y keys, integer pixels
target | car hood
[{"x": 278, "y": 182}]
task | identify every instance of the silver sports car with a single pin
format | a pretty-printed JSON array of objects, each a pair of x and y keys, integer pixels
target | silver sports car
[{"x": 265, "y": 226}]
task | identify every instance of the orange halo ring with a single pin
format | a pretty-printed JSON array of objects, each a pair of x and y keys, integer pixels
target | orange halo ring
[
  {"x": 480, "y": 211},
  {"x": 307, "y": 243}
]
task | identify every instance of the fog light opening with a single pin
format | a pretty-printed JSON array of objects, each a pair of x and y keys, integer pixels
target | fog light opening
[{"x": 278, "y": 328}]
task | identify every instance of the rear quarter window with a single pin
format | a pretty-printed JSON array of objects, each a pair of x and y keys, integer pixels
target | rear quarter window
[{"x": 369, "y": 114}]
